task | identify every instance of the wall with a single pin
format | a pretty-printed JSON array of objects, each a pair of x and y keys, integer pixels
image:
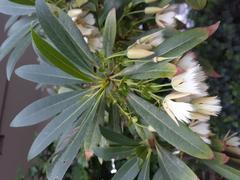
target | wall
[{"x": 14, "y": 95}]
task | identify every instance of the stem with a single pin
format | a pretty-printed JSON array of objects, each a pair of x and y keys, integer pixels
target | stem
[{"x": 119, "y": 54}]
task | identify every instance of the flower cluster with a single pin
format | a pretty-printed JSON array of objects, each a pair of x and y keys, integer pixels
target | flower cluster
[{"x": 190, "y": 103}]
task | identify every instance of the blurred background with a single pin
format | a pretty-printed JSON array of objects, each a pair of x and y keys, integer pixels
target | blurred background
[{"x": 220, "y": 56}]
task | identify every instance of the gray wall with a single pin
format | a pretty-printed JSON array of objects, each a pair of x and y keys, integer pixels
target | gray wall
[{"x": 14, "y": 95}]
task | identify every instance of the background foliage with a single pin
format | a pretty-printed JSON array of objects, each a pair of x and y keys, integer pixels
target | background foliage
[{"x": 223, "y": 53}]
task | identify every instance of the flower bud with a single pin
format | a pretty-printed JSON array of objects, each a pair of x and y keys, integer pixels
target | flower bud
[
  {"x": 74, "y": 12},
  {"x": 152, "y": 10},
  {"x": 135, "y": 53}
]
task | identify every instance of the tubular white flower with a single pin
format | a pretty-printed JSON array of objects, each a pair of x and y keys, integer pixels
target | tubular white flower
[
  {"x": 202, "y": 129},
  {"x": 207, "y": 105},
  {"x": 166, "y": 17},
  {"x": 178, "y": 111},
  {"x": 191, "y": 81},
  {"x": 232, "y": 140},
  {"x": 85, "y": 22},
  {"x": 188, "y": 61}
]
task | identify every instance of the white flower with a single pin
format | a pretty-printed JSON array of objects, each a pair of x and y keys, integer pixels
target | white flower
[
  {"x": 95, "y": 41},
  {"x": 166, "y": 17},
  {"x": 207, "y": 105},
  {"x": 85, "y": 22},
  {"x": 232, "y": 140},
  {"x": 191, "y": 81},
  {"x": 178, "y": 111},
  {"x": 202, "y": 129},
  {"x": 192, "y": 77}
]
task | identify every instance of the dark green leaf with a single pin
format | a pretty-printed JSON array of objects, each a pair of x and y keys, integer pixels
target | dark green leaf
[
  {"x": 66, "y": 37},
  {"x": 59, "y": 167},
  {"x": 109, "y": 33},
  {"x": 118, "y": 152},
  {"x": 182, "y": 42},
  {"x": 197, "y": 4},
  {"x": 158, "y": 175},
  {"x": 179, "y": 136},
  {"x": 150, "y": 71},
  {"x": 56, "y": 58},
  {"x": 46, "y": 75},
  {"x": 45, "y": 108},
  {"x": 24, "y": 2},
  {"x": 57, "y": 125},
  {"x": 173, "y": 168},
  {"x": 11, "y": 8},
  {"x": 145, "y": 171},
  {"x": 128, "y": 171},
  {"x": 117, "y": 138},
  {"x": 13, "y": 39},
  {"x": 224, "y": 170},
  {"x": 18, "y": 51}
]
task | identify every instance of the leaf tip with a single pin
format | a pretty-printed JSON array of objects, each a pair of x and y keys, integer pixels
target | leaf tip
[{"x": 213, "y": 28}]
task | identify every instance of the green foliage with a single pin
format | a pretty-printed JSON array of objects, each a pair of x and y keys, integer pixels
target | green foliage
[{"x": 109, "y": 104}]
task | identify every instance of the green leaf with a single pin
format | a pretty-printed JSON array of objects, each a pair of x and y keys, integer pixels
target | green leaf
[
  {"x": 45, "y": 108},
  {"x": 182, "y": 42},
  {"x": 118, "y": 152},
  {"x": 93, "y": 136},
  {"x": 117, "y": 138},
  {"x": 18, "y": 51},
  {"x": 109, "y": 32},
  {"x": 59, "y": 167},
  {"x": 110, "y": 4},
  {"x": 145, "y": 171},
  {"x": 173, "y": 168},
  {"x": 24, "y": 2},
  {"x": 66, "y": 37},
  {"x": 10, "y": 8},
  {"x": 56, "y": 58},
  {"x": 224, "y": 170},
  {"x": 150, "y": 70},
  {"x": 197, "y": 4},
  {"x": 128, "y": 171},
  {"x": 179, "y": 136},
  {"x": 46, "y": 75},
  {"x": 158, "y": 175},
  {"x": 57, "y": 125},
  {"x": 13, "y": 40}
]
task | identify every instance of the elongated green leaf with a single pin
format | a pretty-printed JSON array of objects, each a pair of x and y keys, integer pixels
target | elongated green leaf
[
  {"x": 18, "y": 51},
  {"x": 24, "y": 2},
  {"x": 197, "y": 4},
  {"x": 56, "y": 58},
  {"x": 93, "y": 136},
  {"x": 65, "y": 36},
  {"x": 118, "y": 152},
  {"x": 158, "y": 175},
  {"x": 182, "y": 42},
  {"x": 64, "y": 160},
  {"x": 224, "y": 170},
  {"x": 55, "y": 128},
  {"x": 11, "y": 8},
  {"x": 173, "y": 168},
  {"x": 179, "y": 136},
  {"x": 12, "y": 40},
  {"x": 150, "y": 71},
  {"x": 10, "y": 22},
  {"x": 117, "y": 138},
  {"x": 109, "y": 33},
  {"x": 47, "y": 75},
  {"x": 45, "y": 108},
  {"x": 128, "y": 171},
  {"x": 145, "y": 171}
]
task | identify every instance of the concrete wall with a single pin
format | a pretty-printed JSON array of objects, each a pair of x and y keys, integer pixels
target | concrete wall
[{"x": 14, "y": 95}]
